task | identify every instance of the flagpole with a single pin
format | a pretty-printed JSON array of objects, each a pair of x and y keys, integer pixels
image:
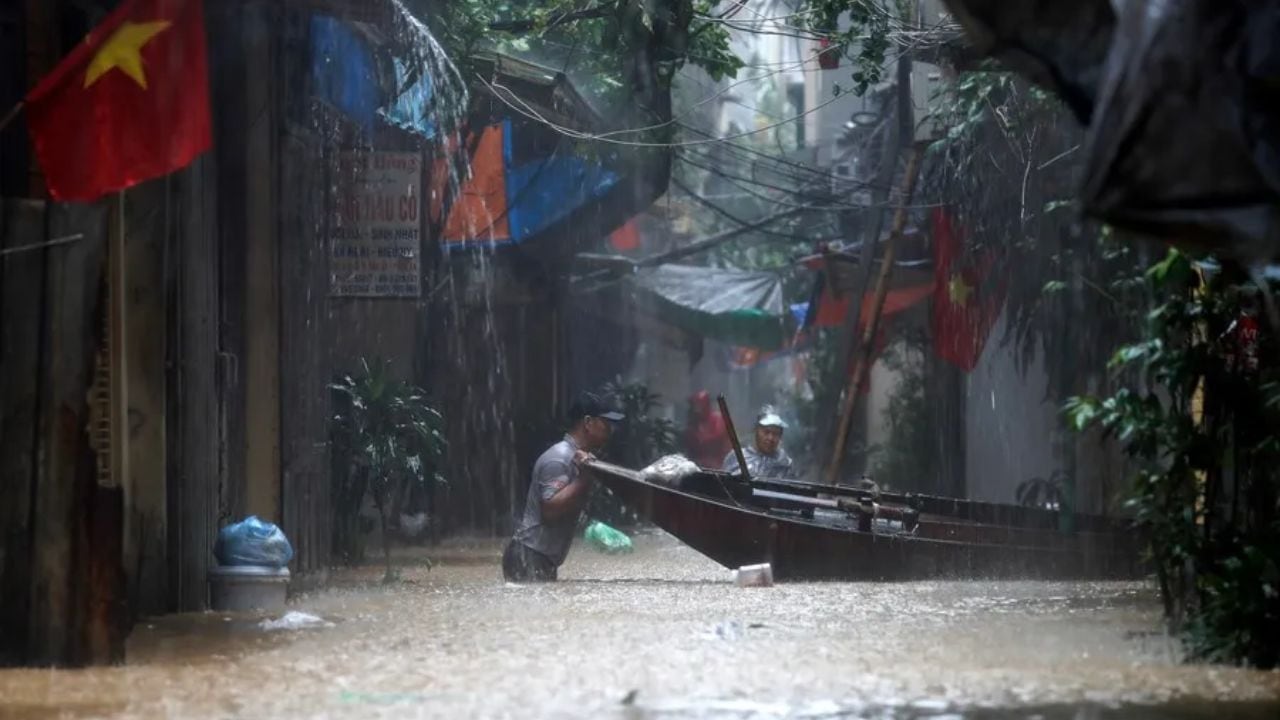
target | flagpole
[
  {"x": 13, "y": 113},
  {"x": 863, "y": 360}
]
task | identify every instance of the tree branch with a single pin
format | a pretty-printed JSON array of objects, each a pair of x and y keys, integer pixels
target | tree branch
[{"x": 520, "y": 26}]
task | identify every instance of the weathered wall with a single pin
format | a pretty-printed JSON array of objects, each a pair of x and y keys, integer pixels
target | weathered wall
[
  {"x": 881, "y": 387},
  {"x": 1011, "y": 425},
  {"x": 305, "y": 372},
  {"x": 145, "y": 550},
  {"x": 263, "y": 197},
  {"x": 496, "y": 367},
  {"x": 376, "y": 328},
  {"x": 195, "y": 469},
  {"x": 14, "y": 157},
  {"x": 50, "y": 329},
  {"x": 1014, "y": 432}
]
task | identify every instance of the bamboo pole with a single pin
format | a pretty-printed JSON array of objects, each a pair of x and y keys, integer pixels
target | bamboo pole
[{"x": 863, "y": 361}]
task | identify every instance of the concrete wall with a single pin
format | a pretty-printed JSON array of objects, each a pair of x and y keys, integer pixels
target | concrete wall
[
  {"x": 1011, "y": 428},
  {"x": 375, "y": 328},
  {"x": 262, "y": 272},
  {"x": 883, "y": 382}
]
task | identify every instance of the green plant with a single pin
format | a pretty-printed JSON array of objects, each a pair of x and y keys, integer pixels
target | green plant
[
  {"x": 388, "y": 439},
  {"x": 645, "y": 435},
  {"x": 1202, "y": 429},
  {"x": 638, "y": 441},
  {"x": 907, "y": 458}
]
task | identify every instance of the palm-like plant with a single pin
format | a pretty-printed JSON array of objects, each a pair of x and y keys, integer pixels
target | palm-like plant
[
  {"x": 387, "y": 438},
  {"x": 642, "y": 438},
  {"x": 645, "y": 435}
]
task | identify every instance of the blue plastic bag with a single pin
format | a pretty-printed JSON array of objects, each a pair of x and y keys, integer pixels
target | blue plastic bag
[{"x": 252, "y": 542}]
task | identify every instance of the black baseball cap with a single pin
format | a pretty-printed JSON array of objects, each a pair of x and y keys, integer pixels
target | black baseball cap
[{"x": 592, "y": 405}]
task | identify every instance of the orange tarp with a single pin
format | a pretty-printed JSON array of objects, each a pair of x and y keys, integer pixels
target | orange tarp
[
  {"x": 832, "y": 310},
  {"x": 480, "y": 211},
  {"x": 626, "y": 238}
]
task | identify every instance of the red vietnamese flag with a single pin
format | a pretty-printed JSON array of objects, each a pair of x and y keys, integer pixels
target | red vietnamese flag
[
  {"x": 130, "y": 103},
  {"x": 964, "y": 307}
]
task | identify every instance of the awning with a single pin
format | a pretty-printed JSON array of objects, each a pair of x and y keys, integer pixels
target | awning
[
  {"x": 411, "y": 109},
  {"x": 910, "y": 283},
  {"x": 516, "y": 190},
  {"x": 832, "y": 310},
  {"x": 733, "y": 306},
  {"x": 353, "y": 73},
  {"x": 536, "y": 181},
  {"x": 344, "y": 72}
]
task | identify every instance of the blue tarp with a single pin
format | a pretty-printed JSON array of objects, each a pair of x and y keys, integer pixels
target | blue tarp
[
  {"x": 409, "y": 110},
  {"x": 543, "y": 191},
  {"x": 800, "y": 311},
  {"x": 343, "y": 71}
]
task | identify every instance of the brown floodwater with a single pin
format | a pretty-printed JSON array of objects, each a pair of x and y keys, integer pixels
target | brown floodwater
[{"x": 661, "y": 633}]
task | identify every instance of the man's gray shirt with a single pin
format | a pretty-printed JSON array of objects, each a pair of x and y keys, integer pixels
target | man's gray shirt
[
  {"x": 777, "y": 465},
  {"x": 554, "y": 471}
]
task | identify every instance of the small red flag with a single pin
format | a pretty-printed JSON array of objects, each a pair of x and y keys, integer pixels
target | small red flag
[
  {"x": 130, "y": 103},
  {"x": 828, "y": 54},
  {"x": 964, "y": 308}
]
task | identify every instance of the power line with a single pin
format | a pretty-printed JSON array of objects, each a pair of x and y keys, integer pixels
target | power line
[
  {"x": 734, "y": 218},
  {"x": 732, "y": 179},
  {"x": 529, "y": 112}
]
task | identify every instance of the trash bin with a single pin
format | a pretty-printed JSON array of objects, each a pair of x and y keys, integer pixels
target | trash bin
[{"x": 240, "y": 588}]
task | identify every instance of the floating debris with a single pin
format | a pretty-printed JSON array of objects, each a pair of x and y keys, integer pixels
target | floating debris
[{"x": 295, "y": 620}]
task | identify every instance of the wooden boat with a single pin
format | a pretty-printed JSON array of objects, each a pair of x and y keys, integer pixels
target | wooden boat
[{"x": 808, "y": 531}]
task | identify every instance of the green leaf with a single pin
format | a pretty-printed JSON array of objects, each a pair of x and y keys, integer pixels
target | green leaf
[
  {"x": 1171, "y": 267},
  {"x": 1081, "y": 412},
  {"x": 1126, "y": 355}
]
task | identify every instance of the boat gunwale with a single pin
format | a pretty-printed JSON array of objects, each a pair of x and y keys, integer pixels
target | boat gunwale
[{"x": 634, "y": 476}]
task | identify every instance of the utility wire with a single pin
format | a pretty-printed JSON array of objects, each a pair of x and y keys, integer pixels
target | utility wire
[
  {"x": 701, "y": 200},
  {"x": 520, "y": 106}
]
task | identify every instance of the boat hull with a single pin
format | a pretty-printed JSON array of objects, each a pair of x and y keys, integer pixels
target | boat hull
[{"x": 735, "y": 534}]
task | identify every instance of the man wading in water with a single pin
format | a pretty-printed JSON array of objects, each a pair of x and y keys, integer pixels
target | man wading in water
[{"x": 557, "y": 494}]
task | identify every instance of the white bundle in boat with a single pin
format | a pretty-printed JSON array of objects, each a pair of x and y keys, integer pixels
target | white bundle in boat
[{"x": 670, "y": 470}]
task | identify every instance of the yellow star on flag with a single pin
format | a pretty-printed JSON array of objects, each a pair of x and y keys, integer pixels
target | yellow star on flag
[
  {"x": 124, "y": 50},
  {"x": 959, "y": 290}
]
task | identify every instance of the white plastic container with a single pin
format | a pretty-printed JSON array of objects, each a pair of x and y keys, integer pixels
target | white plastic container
[
  {"x": 754, "y": 575},
  {"x": 242, "y": 588}
]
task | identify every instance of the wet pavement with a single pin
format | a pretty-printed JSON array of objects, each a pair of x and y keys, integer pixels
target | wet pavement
[{"x": 661, "y": 633}]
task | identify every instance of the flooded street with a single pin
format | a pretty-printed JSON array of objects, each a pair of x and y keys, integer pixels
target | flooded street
[{"x": 657, "y": 634}]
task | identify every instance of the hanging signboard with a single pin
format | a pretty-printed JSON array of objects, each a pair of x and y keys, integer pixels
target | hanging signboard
[{"x": 374, "y": 244}]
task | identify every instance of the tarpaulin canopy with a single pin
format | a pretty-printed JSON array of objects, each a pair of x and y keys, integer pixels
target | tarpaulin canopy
[
  {"x": 839, "y": 279},
  {"x": 518, "y": 188},
  {"x": 732, "y": 306},
  {"x": 344, "y": 72},
  {"x": 410, "y": 111},
  {"x": 832, "y": 309},
  {"x": 351, "y": 75}
]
